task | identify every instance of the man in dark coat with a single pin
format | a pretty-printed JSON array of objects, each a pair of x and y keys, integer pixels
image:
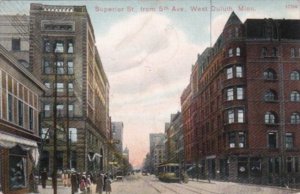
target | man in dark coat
[
  {"x": 74, "y": 183},
  {"x": 99, "y": 183},
  {"x": 44, "y": 177}
]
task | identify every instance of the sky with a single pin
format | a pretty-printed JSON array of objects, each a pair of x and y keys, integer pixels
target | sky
[{"x": 148, "y": 47}]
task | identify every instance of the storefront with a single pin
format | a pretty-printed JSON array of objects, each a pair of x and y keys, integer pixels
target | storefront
[{"x": 18, "y": 157}]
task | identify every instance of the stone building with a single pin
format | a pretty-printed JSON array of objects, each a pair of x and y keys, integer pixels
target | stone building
[
  {"x": 247, "y": 96},
  {"x": 19, "y": 124},
  {"x": 64, "y": 57},
  {"x": 117, "y": 135},
  {"x": 157, "y": 150}
]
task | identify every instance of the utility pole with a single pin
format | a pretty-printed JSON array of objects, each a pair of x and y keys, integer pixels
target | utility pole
[{"x": 54, "y": 173}]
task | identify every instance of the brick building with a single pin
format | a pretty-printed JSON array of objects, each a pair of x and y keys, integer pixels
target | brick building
[
  {"x": 62, "y": 48},
  {"x": 19, "y": 124},
  {"x": 246, "y": 95}
]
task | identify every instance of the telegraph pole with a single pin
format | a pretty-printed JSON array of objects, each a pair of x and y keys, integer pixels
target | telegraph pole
[{"x": 54, "y": 172}]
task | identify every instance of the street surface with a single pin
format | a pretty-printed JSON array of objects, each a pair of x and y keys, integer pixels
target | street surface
[{"x": 138, "y": 184}]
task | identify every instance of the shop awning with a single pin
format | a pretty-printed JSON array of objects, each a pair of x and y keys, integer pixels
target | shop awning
[{"x": 9, "y": 141}]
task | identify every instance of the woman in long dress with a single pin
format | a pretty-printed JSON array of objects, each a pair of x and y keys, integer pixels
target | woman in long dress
[{"x": 107, "y": 184}]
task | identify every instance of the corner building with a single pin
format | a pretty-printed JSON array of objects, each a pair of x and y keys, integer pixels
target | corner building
[
  {"x": 62, "y": 48},
  {"x": 247, "y": 97}
]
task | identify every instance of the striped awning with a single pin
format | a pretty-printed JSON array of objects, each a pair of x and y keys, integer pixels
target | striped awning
[{"x": 10, "y": 140}]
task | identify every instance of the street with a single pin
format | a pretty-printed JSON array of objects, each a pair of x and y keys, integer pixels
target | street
[{"x": 138, "y": 184}]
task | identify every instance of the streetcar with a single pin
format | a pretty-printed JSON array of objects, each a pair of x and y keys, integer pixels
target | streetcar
[{"x": 168, "y": 172}]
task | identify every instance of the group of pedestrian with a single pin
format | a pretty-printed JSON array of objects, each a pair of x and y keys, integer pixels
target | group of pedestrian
[
  {"x": 81, "y": 182},
  {"x": 103, "y": 183}
]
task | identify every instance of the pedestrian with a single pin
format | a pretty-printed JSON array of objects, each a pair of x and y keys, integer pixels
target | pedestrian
[
  {"x": 82, "y": 185},
  {"x": 88, "y": 184},
  {"x": 104, "y": 181},
  {"x": 74, "y": 183},
  {"x": 99, "y": 183},
  {"x": 44, "y": 177},
  {"x": 69, "y": 178},
  {"x": 107, "y": 184},
  {"x": 64, "y": 178}
]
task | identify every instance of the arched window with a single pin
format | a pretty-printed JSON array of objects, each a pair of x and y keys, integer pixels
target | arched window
[
  {"x": 269, "y": 118},
  {"x": 295, "y": 96},
  {"x": 270, "y": 96},
  {"x": 238, "y": 51},
  {"x": 295, "y": 75},
  {"x": 295, "y": 118},
  {"x": 270, "y": 74},
  {"x": 292, "y": 52},
  {"x": 264, "y": 52}
]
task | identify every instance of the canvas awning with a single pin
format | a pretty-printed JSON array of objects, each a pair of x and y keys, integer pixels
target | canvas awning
[{"x": 10, "y": 140}]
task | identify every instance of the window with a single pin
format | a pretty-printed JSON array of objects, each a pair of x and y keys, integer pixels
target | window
[
  {"x": 229, "y": 73},
  {"x": 241, "y": 118},
  {"x": 239, "y": 71},
  {"x": 269, "y": 74},
  {"x": 59, "y": 47},
  {"x": 60, "y": 87},
  {"x": 293, "y": 53},
  {"x": 272, "y": 140},
  {"x": 295, "y": 118},
  {"x": 47, "y": 46},
  {"x": 264, "y": 52},
  {"x": 60, "y": 67},
  {"x": 47, "y": 67},
  {"x": 70, "y": 47},
  {"x": 236, "y": 32},
  {"x": 70, "y": 89},
  {"x": 230, "y": 114},
  {"x": 45, "y": 133},
  {"x": 274, "y": 165},
  {"x": 16, "y": 44},
  {"x": 231, "y": 139},
  {"x": 73, "y": 134},
  {"x": 230, "y": 94},
  {"x": 17, "y": 168},
  {"x": 47, "y": 110},
  {"x": 238, "y": 51},
  {"x": 274, "y": 52},
  {"x": 70, "y": 67},
  {"x": 295, "y": 75},
  {"x": 10, "y": 107},
  {"x": 20, "y": 112},
  {"x": 60, "y": 110},
  {"x": 270, "y": 96},
  {"x": 240, "y": 93},
  {"x": 71, "y": 110},
  {"x": 295, "y": 96},
  {"x": 230, "y": 52},
  {"x": 242, "y": 139},
  {"x": 289, "y": 140},
  {"x": 269, "y": 118},
  {"x": 30, "y": 118}
]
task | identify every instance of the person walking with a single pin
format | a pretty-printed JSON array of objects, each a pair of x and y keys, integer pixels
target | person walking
[
  {"x": 88, "y": 184},
  {"x": 99, "y": 183},
  {"x": 64, "y": 178},
  {"x": 107, "y": 184},
  {"x": 74, "y": 183},
  {"x": 44, "y": 177},
  {"x": 82, "y": 185}
]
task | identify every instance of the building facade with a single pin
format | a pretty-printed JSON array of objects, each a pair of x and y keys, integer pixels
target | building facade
[
  {"x": 64, "y": 57},
  {"x": 117, "y": 133},
  {"x": 19, "y": 124},
  {"x": 247, "y": 103},
  {"x": 174, "y": 145},
  {"x": 157, "y": 150}
]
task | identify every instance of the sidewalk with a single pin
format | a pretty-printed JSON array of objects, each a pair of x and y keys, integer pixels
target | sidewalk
[{"x": 62, "y": 189}]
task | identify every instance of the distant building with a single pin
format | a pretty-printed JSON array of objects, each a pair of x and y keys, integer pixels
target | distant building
[
  {"x": 14, "y": 36},
  {"x": 157, "y": 149},
  {"x": 126, "y": 154},
  {"x": 174, "y": 144},
  {"x": 19, "y": 124},
  {"x": 245, "y": 91},
  {"x": 117, "y": 134}
]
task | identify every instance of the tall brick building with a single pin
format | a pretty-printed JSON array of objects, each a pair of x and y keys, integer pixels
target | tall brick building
[
  {"x": 62, "y": 46},
  {"x": 242, "y": 103}
]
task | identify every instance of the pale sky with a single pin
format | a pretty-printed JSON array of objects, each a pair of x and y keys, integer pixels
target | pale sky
[{"x": 147, "y": 55}]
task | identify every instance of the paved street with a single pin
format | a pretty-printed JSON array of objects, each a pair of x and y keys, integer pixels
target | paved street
[{"x": 138, "y": 184}]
